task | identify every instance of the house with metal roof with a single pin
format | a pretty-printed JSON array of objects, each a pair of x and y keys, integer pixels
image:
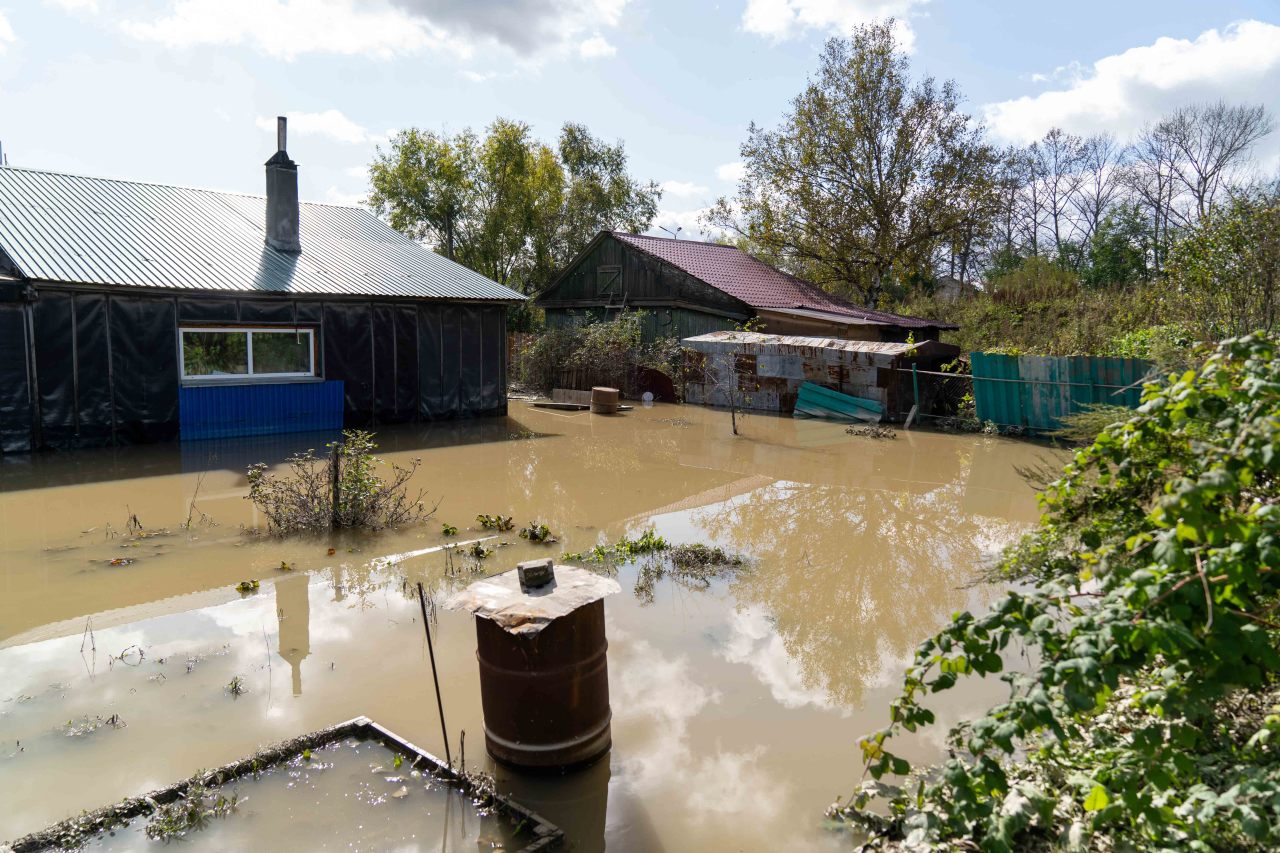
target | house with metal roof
[
  {"x": 691, "y": 288},
  {"x": 134, "y": 312}
]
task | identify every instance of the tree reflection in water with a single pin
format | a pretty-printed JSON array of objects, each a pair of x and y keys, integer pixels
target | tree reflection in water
[{"x": 853, "y": 578}]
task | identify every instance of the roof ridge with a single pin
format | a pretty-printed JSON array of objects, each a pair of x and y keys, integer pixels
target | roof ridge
[
  {"x": 189, "y": 187},
  {"x": 706, "y": 243}
]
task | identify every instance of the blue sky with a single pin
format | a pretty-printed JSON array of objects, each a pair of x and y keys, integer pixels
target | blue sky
[{"x": 183, "y": 91}]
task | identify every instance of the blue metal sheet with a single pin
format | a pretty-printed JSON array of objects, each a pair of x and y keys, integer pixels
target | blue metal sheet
[
  {"x": 1037, "y": 392},
  {"x": 815, "y": 401},
  {"x": 225, "y": 411}
]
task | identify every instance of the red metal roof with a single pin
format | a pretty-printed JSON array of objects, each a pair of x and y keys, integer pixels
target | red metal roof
[{"x": 751, "y": 280}]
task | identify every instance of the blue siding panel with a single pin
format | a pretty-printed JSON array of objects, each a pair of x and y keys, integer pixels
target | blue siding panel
[
  {"x": 1037, "y": 392},
  {"x": 225, "y": 411}
]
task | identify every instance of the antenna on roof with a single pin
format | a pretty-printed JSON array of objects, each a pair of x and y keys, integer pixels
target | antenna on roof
[{"x": 675, "y": 235}]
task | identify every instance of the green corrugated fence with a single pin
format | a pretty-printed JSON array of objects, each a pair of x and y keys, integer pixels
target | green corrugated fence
[{"x": 1035, "y": 392}]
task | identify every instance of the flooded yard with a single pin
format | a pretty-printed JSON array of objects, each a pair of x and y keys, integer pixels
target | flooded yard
[{"x": 128, "y": 659}]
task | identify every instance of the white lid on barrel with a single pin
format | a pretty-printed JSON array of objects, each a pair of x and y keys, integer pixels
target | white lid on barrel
[{"x": 517, "y": 610}]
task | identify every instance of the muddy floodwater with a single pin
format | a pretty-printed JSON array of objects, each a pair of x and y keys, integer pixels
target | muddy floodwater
[
  {"x": 736, "y": 707},
  {"x": 310, "y": 803}
]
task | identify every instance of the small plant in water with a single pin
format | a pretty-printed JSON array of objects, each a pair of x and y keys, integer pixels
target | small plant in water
[
  {"x": 537, "y": 532},
  {"x": 343, "y": 490},
  {"x": 190, "y": 813},
  {"x": 872, "y": 431},
  {"x": 495, "y": 522},
  {"x": 236, "y": 687},
  {"x": 447, "y": 529},
  {"x": 479, "y": 551},
  {"x": 248, "y": 586},
  {"x": 692, "y": 566}
]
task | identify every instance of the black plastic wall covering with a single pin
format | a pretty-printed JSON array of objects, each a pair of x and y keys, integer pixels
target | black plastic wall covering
[{"x": 94, "y": 369}]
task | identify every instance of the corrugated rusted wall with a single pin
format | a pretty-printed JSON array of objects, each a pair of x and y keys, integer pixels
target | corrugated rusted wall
[
  {"x": 1034, "y": 392},
  {"x": 768, "y": 378}
]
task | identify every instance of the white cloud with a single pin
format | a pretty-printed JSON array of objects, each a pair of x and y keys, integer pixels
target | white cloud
[
  {"x": 596, "y": 47},
  {"x": 731, "y": 172},
  {"x": 683, "y": 189},
  {"x": 333, "y": 195},
  {"x": 330, "y": 123},
  {"x": 74, "y": 5},
  {"x": 783, "y": 19},
  {"x": 1120, "y": 93},
  {"x": 285, "y": 29},
  {"x": 7, "y": 36},
  {"x": 754, "y": 642}
]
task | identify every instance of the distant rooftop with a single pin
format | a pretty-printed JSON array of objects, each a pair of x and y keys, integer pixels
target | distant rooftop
[
  {"x": 762, "y": 340},
  {"x": 729, "y": 269},
  {"x": 100, "y": 231}
]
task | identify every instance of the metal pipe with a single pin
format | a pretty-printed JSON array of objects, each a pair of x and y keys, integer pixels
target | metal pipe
[{"x": 426, "y": 626}]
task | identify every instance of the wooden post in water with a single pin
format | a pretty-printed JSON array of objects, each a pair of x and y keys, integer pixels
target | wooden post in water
[{"x": 335, "y": 476}]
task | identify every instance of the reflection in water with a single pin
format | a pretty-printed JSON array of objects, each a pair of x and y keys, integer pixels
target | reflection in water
[
  {"x": 754, "y": 641},
  {"x": 736, "y": 708},
  {"x": 579, "y": 798},
  {"x": 853, "y": 578},
  {"x": 293, "y": 610}
]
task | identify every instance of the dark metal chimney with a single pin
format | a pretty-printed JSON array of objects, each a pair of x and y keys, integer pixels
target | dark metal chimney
[{"x": 282, "y": 197}]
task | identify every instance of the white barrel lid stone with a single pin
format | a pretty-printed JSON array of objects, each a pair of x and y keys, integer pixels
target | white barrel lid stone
[{"x": 501, "y": 600}]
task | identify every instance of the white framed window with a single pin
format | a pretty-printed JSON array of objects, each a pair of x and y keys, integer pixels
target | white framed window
[{"x": 211, "y": 353}]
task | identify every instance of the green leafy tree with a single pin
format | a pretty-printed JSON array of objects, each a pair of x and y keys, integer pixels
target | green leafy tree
[
  {"x": 505, "y": 204},
  {"x": 867, "y": 174},
  {"x": 1229, "y": 265},
  {"x": 1118, "y": 250},
  {"x": 1142, "y": 713}
]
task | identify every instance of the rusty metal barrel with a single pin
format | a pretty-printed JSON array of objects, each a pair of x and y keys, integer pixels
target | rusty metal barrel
[
  {"x": 604, "y": 401},
  {"x": 546, "y": 697},
  {"x": 544, "y": 679}
]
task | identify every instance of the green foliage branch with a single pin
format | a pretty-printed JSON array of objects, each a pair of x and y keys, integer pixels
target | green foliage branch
[{"x": 1150, "y": 622}]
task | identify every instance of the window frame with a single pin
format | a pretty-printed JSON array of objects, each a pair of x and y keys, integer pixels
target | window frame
[
  {"x": 250, "y": 377},
  {"x": 609, "y": 280}
]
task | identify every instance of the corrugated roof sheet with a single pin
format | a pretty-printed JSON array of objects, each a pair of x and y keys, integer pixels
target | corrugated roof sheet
[
  {"x": 101, "y": 231},
  {"x": 751, "y": 280},
  {"x": 760, "y": 340}
]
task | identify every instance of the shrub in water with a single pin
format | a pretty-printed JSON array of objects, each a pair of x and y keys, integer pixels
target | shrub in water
[{"x": 343, "y": 490}]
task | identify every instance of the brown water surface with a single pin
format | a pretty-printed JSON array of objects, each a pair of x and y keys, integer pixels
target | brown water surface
[{"x": 736, "y": 708}]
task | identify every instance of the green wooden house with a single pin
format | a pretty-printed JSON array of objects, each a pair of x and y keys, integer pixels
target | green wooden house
[{"x": 688, "y": 288}]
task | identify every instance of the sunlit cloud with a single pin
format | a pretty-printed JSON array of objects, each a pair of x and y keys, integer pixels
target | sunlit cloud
[
  {"x": 529, "y": 31},
  {"x": 7, "y": 36},
  {"x": 732, "y": 172},
  {"x": 784, "y": 19},
  {"x": 330, "y": 123},
  {"x": 1122, "y": 92},
  {"x": 596, "y": 47}
]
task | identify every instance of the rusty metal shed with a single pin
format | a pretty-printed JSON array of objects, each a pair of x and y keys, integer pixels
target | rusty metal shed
[{"x": 767, "y": 370}]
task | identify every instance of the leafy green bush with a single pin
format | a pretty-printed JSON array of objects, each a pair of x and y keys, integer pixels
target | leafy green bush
[
  {"x": 1145, "y": 717},
  {"x": 1035, "y": 280},
  {"x": 304, "y": 499},
  {"x": 1168, "y": 345},
  {"x": 600, "y": 352}
]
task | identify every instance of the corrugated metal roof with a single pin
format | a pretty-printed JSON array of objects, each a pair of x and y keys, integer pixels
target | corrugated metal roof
[
  {"x": 101, "y": 231},
  {"x": 760, "y": 341},
  {"x": 751, "y": 280}
]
